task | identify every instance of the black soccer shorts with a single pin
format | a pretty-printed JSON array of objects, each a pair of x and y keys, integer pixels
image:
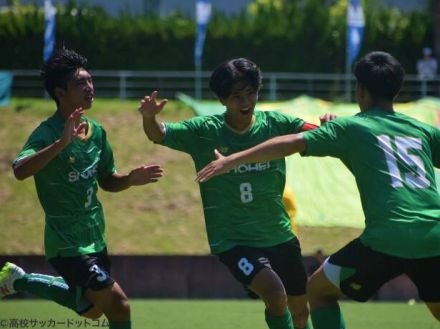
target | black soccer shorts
[
  {"x": 364, "y": 271},
  {"x": 285, "y": 259},
  {"x": 91, "y": 271}
]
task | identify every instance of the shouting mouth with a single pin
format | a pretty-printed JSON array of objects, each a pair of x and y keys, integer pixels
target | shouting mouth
[{"x": 246, "y": 111}]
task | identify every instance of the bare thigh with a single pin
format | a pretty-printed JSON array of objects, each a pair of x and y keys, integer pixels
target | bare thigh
[{"x": 112, "y": 301}]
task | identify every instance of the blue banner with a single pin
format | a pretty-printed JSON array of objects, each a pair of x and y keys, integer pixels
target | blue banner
[
  {"x": 355, "y": 30},
  {"x": 203, "y": 15},
  {"x": 5, "y": 87},
  {"x": 49, "y": 32}
]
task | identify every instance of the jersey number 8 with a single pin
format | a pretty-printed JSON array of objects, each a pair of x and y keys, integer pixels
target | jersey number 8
[{"x": 246, "y": 192}]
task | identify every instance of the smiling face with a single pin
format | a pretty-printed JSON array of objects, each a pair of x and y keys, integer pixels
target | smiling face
[
  {"x": 79, "y": 91},
  {"x": 240, "y": 105}
]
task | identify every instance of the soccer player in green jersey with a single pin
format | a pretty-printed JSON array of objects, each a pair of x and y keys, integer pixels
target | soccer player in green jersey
[
  {"x": 392, "y": 157},
  {"x": 247, "y": 224},
  {"x": 69, "y": 156}
]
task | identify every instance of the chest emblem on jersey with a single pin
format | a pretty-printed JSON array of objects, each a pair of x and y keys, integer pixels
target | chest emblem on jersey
[
  {"x": 223, "y": 149},
  {"x": 71, "y": 159}
]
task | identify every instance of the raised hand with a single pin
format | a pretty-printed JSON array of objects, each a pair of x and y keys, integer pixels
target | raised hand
[
  {"x": 145, "y": 174},
  {"x": 149, "y": 107},
  {"x": 73, "y": 127},
  {"x": 215, "y": 168},
  {"x": 327, "y": 117}
]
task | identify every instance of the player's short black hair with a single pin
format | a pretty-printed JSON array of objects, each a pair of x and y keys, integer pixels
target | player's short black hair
[
  {"x": 60, "y": 68},
  {"x": 381, "y": 74},
  {"x": 238, "y": 70}
]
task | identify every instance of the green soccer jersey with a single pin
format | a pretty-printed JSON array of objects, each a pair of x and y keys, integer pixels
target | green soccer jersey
[
  {"x": 391, "y": 157},
  {"x": 67, "y": 188},
  {"x": 244, "y": 206}
]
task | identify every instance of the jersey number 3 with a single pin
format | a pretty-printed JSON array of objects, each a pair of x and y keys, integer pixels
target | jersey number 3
[
  {"x": 89, "y": 197},
  {"x": 416, "y": 175}
]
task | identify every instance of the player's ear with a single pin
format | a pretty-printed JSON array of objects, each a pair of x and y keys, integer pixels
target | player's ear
[
  {"x": 59, "y": 92},
  {"x": 361, "y": 91}
]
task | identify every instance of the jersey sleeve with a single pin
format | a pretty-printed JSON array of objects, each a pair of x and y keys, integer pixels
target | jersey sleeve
[
  {"x": 106, "y": 165},
  {"x": 182, "y": 136},
  {"x": 38, "y": 140},
  {"x": 328, "y": 140},
  {"x": 435, "y": 145},
  {"x": 289, "y": 124},
  {"x": 309, "y": 126}
]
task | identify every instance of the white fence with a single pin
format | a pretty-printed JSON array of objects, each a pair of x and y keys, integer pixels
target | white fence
[{"x": 276, "y": 86}]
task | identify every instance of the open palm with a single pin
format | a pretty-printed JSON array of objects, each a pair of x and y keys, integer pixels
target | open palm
[{"x": 149, "y": 106}]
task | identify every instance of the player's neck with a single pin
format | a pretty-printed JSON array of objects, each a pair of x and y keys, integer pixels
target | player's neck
[
  {"x": 383, "y": 105},
  {"x": 240, "y": 127},
  {"x": 65, "y": 111}
]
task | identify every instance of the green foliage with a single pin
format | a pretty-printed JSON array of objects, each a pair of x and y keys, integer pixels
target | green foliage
[
  {"x": 280, "y": 35},
  {"x": 400, "y": 33}
]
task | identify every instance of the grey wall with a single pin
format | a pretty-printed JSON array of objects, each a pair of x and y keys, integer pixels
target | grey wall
[{"x": 187, "y": 277}]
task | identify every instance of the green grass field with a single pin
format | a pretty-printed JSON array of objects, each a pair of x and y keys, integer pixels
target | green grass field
[
  {"x": 170, "y": 211},
  {"x": 164, "y": 218},
  {"x": 197, "y": 314}
]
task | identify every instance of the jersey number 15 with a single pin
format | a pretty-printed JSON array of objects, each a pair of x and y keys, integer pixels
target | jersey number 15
[{"x": 416, "y": 175}]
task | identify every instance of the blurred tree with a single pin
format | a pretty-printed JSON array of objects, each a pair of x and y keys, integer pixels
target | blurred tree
[{"x": 279, "y": 35}]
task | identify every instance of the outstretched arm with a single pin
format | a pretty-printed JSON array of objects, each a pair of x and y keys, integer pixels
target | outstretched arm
[
  {"x": 275, "y": 148},
  {"x": 145, "y": 174},
  {"x": 323, "y": 119},
  {"x": 149, "y": 108}
]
